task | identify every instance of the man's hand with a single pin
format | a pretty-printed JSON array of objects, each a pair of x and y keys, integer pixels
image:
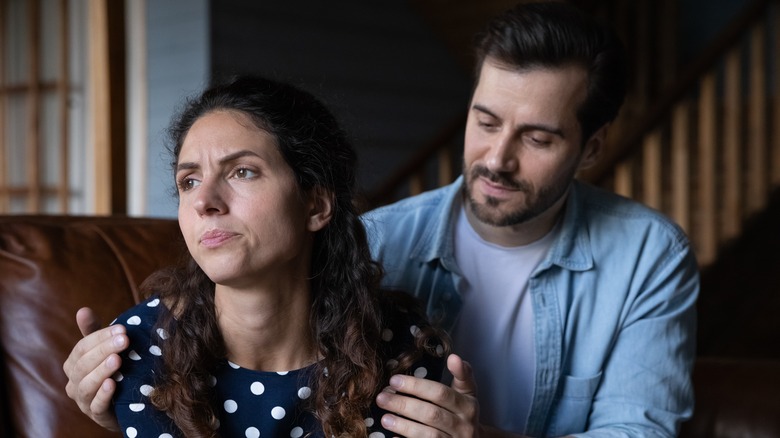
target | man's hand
[
  {"x": 431, "y": 409},
  {"x": 91, "y": 364}
]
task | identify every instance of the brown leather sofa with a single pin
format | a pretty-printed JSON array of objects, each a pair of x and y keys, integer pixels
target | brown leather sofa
[{"x": 50, "y": 266}]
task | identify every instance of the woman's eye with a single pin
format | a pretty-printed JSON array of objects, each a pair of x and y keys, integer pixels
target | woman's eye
[
  {"x": 187, "y": 183},
  {"x": 243, "y": 173}
]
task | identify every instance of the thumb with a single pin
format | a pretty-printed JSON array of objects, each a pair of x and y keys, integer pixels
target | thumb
[
  {"x": 462, "y": 378},
  {"x": 87, "y": 321}
]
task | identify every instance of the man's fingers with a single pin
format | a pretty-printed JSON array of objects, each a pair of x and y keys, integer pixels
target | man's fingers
[
  {"x": 101, "y": 406},
  {"x": 414, "y": 417},
  {"x": 87, "y": 320},
  {"x": 462, "y": 378}
]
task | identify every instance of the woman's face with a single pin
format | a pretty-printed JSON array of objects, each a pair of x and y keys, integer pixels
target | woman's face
[{"x": 242, "y": 216}]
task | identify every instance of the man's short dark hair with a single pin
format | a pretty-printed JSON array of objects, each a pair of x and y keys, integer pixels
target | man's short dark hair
[{"x": 558, "y": 34}]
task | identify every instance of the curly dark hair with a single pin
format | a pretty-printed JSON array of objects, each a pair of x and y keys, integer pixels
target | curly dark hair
[{"x": 346, "y": 318}]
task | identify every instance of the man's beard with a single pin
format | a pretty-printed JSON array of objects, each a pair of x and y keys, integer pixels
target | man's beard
[{"x": 536, "y": 203}]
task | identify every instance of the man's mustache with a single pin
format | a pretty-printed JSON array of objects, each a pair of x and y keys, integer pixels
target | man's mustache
[{"x": 499, "y": 178}]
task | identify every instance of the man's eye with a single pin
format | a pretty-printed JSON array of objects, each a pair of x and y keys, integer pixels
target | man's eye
[{"x": 538, "y": 141}]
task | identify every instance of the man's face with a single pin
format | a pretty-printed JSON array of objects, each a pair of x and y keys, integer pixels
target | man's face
[{"x": 523, "y": 142}]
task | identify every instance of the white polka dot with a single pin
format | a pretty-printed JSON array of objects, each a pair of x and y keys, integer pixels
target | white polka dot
[
  {"x": 420, "y": 372},
  {"x": 257, "y": 388},
  {"x": 369, "y": 422},
  {"x": 134, "y": 320},
  {"x": 387, "y": 335},
  {"x": 376, "y": 435},
  {"x": 162, "y": 333},
  {"x": 282, "y": 373},
  {"x": 131, "y": 432},
  {"x": 392, "y": 363},
  {"x": 440, "y": 350},
  {"x": 146, "y": 390},
  {"x": 414, "y": 330},
  {"x": 133, "y": 355},
  {"x": 154, "y": 303},
  {"x": 304, "y": 393},
  {"x": 297, "y": 432},
  {"x": 230, "y": 406},
  {"x": 155, "y": 350},
  {"x": 118, "y": 377},
  {"x": 165, "y": 435},
  {"x": 325, "y": 371},
  {"x": 278, "y": 413},
  {"x": 137, "y": 407},
  {"x": 212, "y": 381},
  {"x": 233, "y": 365},
  {"x": 252, "y": 432}
]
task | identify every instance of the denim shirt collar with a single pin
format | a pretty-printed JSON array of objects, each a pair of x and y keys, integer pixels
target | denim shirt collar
[
  {"x": 571, "y": 249},
  {"x": 437, "y": 242}
]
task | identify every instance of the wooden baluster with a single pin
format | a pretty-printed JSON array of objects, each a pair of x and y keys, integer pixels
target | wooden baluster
[
  {"x": 416, "y": 183},
  {"x": 680, "y": 162},
  {"x": 445, "y": 166},
  {"x": 34, "y": 108},
  {"x": 63, "y": 86},
  {"x": 706, "y": 236},
  {"x": 775, "y": 11},
  {"x": 756, "y": 138},
  {"x": 624, "y": 184},
  {"x": 652, "y": 175},
  {"x": 732, "y": 146},
  {"x": 4, "y": 150}
]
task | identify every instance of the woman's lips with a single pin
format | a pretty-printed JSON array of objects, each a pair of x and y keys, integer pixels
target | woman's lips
[{"x": 215, "y": 238}]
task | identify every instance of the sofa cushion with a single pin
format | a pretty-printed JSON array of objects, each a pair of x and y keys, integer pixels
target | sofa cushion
[
  {"x": 50, "y": 266},
  {"x": 735, "y": 397}
]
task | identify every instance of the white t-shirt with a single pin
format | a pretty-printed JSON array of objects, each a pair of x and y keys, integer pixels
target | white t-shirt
[{"x": 496, "y": 321}]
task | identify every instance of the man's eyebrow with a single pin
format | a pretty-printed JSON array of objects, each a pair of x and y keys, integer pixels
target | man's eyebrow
[
  {"x": 524, "y": 127},
  {"x": 484, "y": 109},
  {"x": 227, "y": 158}
]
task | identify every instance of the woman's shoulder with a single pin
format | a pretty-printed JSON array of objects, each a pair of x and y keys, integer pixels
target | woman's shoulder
[
  {"x": 143, "y": 316},
  {"x": 410, "y": 343}
]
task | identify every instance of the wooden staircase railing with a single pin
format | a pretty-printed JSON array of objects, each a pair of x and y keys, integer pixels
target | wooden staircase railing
[{"x": 706, "y": 152}]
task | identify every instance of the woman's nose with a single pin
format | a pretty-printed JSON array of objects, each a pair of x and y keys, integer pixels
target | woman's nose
[{"x": 210, "y": 198}]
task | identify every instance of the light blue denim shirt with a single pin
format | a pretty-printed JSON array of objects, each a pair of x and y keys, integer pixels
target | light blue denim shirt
[{"x": 614, "y": 307}]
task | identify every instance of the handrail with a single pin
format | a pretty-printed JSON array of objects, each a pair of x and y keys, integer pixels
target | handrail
[
  {"x": 386, "y": 190},
  {"x": 632, "y": 140}
]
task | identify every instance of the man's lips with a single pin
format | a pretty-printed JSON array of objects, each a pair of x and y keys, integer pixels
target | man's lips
[
  {"x": 215, "y": 238},
  {"x": 493, "y": 188}
]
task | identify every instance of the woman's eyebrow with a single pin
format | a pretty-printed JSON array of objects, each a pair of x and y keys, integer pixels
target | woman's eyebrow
[{"x": 188, "y": 165}]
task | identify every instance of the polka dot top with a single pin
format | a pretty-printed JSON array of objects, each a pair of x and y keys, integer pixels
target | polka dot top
[{"x": 248, "y": 403}]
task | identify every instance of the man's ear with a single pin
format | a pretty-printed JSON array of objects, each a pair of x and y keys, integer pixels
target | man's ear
[
  {"x": 594, "y": 147},
  {"x": 320, "y": 209}
]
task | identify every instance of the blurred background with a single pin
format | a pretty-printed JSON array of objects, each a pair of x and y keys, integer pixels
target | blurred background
[{"x": 87, "y": 88}]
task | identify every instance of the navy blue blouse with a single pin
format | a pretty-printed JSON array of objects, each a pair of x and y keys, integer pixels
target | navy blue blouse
[{"x": 248, "y": 403}]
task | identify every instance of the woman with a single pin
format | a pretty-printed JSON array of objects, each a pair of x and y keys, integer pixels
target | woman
[{"x": 275, "y": 326}]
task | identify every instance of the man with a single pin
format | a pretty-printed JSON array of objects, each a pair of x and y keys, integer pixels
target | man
[{"x": 574, "y": 308}]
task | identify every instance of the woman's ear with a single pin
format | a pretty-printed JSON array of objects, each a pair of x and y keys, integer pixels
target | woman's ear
[
  {"x": 592, "y": 150},
  {"x": 320, "y": 209}
]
